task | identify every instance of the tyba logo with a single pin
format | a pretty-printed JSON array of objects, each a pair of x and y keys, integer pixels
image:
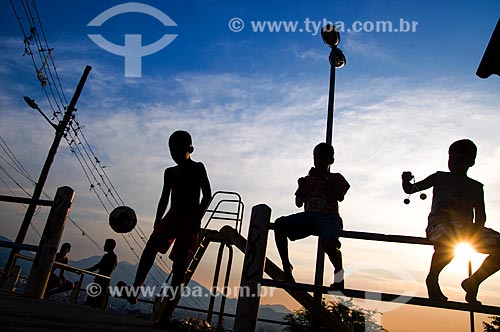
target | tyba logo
[{"x": 132, "y": 50}]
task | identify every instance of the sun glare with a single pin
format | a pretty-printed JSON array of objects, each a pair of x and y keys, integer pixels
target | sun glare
[
  {"x": 464, "y": 251},
  {"x": 463, "y": 254}
]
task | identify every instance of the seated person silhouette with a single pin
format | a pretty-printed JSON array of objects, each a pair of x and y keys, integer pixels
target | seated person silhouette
[
  {"x": 457, "y": 215},
  {"x": 105, "y": 267},
  {"x": 320, "y": 192},
  {"x": 58, "y": 283}
]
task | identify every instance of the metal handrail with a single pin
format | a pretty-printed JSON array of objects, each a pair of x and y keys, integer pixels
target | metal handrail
[
  {"x": 80, "y": 272},
  {"x": 238, "y": 214},
  {"x": 67, "y": 267}
]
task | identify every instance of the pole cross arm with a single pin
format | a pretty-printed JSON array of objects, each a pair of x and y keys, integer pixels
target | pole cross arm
[{"x": 25, "y": 200}]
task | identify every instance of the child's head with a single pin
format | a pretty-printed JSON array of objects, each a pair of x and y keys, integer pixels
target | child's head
[
  {"x": 323, "y": 156},
  {"x": 461, "y": 156},
  {"x": 180, "y": 145},
  {"x": 65, "y": 248},
  {"x": 109, "y": 245}
]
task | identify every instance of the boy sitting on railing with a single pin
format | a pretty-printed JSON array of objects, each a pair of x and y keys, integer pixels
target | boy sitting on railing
[
  {"x": 457, "y": 200},
  {"x": 320, "y": 192},
  {"x": 59, "y": 284}
]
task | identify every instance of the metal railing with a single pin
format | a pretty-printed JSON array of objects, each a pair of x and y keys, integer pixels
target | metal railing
[
  {"x": 217, "y": 214},
  {"x": 253, "y": 269},
  {"x": 81, "y": 272}
]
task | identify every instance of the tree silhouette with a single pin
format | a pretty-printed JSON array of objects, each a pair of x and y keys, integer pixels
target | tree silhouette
[
  {"x": 494, "y": 326},
  {"x": 359, "y": 319}
]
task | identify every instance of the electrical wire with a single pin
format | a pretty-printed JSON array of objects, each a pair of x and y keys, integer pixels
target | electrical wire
[{"x": 52, "y": 87}]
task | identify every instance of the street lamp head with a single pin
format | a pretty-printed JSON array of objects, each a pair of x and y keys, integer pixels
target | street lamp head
[
  {"x": 330, "y": 35},
  {"x": 337, "y": 56},
  {"x": 31, "y": 103}
]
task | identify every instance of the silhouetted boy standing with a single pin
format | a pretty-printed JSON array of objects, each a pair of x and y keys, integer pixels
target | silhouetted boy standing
[{"x": 182, "y": 185}]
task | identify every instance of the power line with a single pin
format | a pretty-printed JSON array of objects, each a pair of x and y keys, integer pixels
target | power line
[
  {"x": 14, "y": 194},
  {"x": 13, "y": 180},
  {"x": 49, "y": 78},
  {"x": 19, "y": 167},
  {"x": 101, "y": 173},
  {"x": 12, "y": 156},
  {"x": 50, "y": 56}
]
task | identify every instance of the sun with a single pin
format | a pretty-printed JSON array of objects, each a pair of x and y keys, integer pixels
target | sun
[{"x": 464, "y": 252}]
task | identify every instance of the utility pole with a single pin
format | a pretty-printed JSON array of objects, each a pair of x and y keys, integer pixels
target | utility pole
[{"x": 60, "y": 130}]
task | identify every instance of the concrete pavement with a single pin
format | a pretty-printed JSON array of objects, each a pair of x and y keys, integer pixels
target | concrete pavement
[{"x": 21, "y": 314}]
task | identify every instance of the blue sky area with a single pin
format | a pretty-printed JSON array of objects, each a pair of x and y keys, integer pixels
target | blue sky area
[{"x": 255, "y": 103}]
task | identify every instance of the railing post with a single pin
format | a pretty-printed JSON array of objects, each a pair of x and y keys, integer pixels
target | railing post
[
  {"x": 226, "y": 284},
  {"x": 215, "y": 283},
  {"x": 49, "y": 243},
  {"x": 253, "y": 270},
  {"x": 318, "y": 281},
  {"x": 75, "y": 293},
  {"x": 13, "y": 278},
  {"x": 471, "y": 314}
]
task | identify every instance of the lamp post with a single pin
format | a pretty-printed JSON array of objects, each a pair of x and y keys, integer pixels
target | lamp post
[{"x": 331, "y": 37}]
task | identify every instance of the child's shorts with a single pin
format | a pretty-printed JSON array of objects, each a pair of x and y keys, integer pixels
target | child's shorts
[
  {"x": 484, "y": 241},
  {"x": 487, "y": 241},
  {"x": 303, "y": 224},
  {"x": 181, "y": 229}
]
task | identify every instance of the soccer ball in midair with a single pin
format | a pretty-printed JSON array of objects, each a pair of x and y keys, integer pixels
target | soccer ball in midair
[{"x": 122, "y": 219}]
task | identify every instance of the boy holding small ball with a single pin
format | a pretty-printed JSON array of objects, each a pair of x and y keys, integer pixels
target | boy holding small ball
[{"x": 457, "y": 215}]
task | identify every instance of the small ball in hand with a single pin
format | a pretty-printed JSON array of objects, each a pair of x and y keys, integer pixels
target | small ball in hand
[
  {"x": 406, "y": 201},
  {"x": 423, "y": 196}
]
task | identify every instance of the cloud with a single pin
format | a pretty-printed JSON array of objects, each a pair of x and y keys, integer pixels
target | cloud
[
  {"x": 255, "y": 135},
  {"x": 309, "y": 54},
  {"x": 360, "y": 43}
]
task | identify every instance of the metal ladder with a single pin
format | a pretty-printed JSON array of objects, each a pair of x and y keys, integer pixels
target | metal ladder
[{"x": 219, "y": 212}]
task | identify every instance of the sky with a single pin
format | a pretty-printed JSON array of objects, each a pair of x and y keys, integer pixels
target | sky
[{"x": 255, "y": 103}]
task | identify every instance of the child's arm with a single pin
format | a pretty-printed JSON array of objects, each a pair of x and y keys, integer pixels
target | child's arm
[
  {"x": 340, "y": 186},
  {"x": 165, "y": 195},
  {"x": 411, "y": 188},
  {"x": 479, "y": 213},
  {"x": 61, "y": 271},
  {"x": 61, "y": 275},
  {"x": 95, "y": 267},
  {"x": 206, "y": 191},
  {"x": 299, "y": 194}
]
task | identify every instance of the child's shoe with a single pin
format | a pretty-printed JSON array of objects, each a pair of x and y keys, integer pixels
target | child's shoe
[{"x": 338, "y": 281}]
